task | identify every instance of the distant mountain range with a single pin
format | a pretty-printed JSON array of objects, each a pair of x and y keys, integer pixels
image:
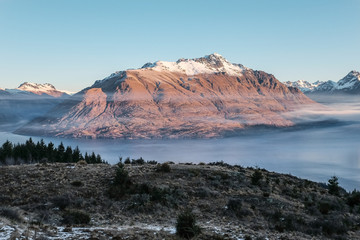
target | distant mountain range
[
  {"x": 26, "y": 89},
  {"x": 350, "y": 84},
  {"x": 201, "y": 97},
  {"x": 28, "y": 101}
]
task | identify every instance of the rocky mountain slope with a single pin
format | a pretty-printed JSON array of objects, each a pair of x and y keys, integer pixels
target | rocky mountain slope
[
  {"x": 202, "y": 97},
  {"x": 350, "y": 84},
  {"x": 80, "y": 201}
]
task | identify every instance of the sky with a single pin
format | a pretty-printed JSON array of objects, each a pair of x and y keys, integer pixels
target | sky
[{"x": 72, "y": 43}]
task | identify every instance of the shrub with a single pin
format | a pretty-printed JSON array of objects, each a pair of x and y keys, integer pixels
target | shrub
[
  {"x": 10, "y": 214},
  {"x": 77, "y": 183},
  {"x": 158, "y": 195},
  {"x": 234, "y": 205},
  {"x": 76, "y": 217},
  {"x": 285, "y": 222},
  {"x": 139, "y": 161},
  {"x": 353, "y": 198},
  {"x": 165, "y": 167},
  {"x": 219, "y": 163},
  {"x": 324, "y": 207},
  {"x": 333, "y": 186},
  {"x": 186, "y": 225},
  {"x": 127, "y": 160},
  {"x": 330, "y": 226},
  {"x": 121, "y": 184},
  {"x": 256, "y": 177},
  {"x": 152, "y": 162},
  {"x": 61, "y": 202},
  {"x": 82, "y": 162}
]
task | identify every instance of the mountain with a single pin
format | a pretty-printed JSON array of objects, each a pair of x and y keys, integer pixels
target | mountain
[
  {"x": 3, "y": 92},
  {"x": 38, "y": 89},
  {"x": 28, "y": 101},
  {"x": 303, "y": 85},
  {"x": 201, "y": 97},
  {"x": 350, "y": 84}
]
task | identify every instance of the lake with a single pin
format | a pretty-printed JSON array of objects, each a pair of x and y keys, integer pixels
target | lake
[{"x": 312, "y": 153}]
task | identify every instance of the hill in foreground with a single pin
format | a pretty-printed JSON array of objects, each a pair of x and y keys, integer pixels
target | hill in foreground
[{"x": 143, "y": 200}]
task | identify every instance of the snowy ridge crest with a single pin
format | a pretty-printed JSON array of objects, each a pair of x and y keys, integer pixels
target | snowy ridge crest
[
  {"x": 303, "y": 85},
  {"x": 26, "y": 86},
  {"x": 351, "y": 82},
  {"x": 213, "y": 63}
]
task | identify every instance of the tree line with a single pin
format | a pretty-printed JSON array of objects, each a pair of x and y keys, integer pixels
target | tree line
[{"x": 31, "y": 152}]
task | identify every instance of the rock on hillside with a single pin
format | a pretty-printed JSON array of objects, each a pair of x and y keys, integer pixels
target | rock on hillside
[{"x": 203, "y": 97}]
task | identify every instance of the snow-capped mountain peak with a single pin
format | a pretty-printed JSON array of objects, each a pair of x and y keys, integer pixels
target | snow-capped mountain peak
[
  {"x": 303, "y": 85},
  {"x": 209, "y": 64},
  {"x": 31, "y": 87},
  {"x": 349, "y": 84},
  {"x": 39, "y": 89},
  {"x": 349, "y": 80}
]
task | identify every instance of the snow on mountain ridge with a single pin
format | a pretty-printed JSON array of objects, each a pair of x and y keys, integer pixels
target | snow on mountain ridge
[
  {"x": 303, "y": 85},
  {"x": 38, "y": 89},
  {"x": 350, "y": 83},
  {"x": 209, "y": 64},
  {"x": 213, "y": 63},
  {"x": 349, "y": 80},
  {"x": 27, "y": 86}
]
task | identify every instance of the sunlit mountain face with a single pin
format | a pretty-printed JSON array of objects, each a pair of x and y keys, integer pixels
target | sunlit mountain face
[{"x": 189, "y": 98}]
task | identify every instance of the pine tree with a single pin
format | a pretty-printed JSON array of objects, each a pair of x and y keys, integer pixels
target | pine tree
[
  {"x": 333, "y": 185},
  {"x": 76, "y": 154},
  {"x": 60, "y": 152},
  {"x": 50, "y": 152},
  {"x": 68, "y": 154},
  {"x": 6, "y": 151},
  {"x": 98, "y": 159},
  {"x": 93, "y": 158}
]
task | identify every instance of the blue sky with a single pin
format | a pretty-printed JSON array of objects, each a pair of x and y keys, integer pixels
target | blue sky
[{"x": 72, "y": 43}]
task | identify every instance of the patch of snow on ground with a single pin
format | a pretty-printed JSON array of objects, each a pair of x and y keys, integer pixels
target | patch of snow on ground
[{"x": 6, "y": 231}]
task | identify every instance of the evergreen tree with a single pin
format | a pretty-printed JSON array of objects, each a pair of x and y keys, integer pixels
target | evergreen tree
[
  {"x": 35, "y": 152},
  {"x": 76, "y": 156},
  {"x": 50, "y": 152},
  {"x": 68, "y": 154},
  {"x": 60, "y": 152},
  {"x": 98, "y": 159},
  {"x": 333, "y": 185},
  {"x": 6, "y": 151},
  {"x": 30, "y": 147},
  {"x": 86, "y": 158},
  {"x": 92, "y": 158}
]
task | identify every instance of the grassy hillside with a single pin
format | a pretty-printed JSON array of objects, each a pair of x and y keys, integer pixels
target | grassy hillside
[{"x": 140, "y": 200}]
